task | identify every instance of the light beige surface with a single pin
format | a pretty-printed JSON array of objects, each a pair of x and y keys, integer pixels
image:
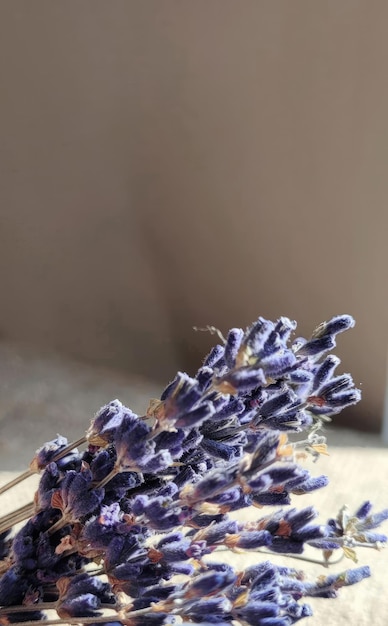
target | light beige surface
[
  {"x": 357, "y": 474},
  {"x": 44, "y": 394},
  {"x": 173, "y": 163}
]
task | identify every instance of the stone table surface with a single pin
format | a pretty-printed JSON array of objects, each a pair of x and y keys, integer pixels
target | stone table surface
[{"x": 42, "y": 395}]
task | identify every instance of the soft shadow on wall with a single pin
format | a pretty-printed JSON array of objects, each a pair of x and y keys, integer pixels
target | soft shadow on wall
[{"x": 266, "y": 154}]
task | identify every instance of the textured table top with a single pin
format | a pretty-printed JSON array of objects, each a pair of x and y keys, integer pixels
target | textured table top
[{"x": 356, "y": 474}]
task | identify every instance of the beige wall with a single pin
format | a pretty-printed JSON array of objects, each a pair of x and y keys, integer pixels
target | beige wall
[{"x": 166, "y": 163}]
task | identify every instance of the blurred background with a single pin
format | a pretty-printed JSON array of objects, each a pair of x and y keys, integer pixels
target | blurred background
[{"x": 166, "y": 164}]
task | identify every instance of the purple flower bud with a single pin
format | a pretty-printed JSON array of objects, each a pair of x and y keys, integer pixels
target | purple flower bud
[
  {"x": 44, "y": 454},
  {"x": 102, "y": 464},
  {"x": 232, "y": 346},
  {"x": 255, "y": 612},
  {"x": 139, "y": 504},
  {"x": 99, "y": 531},
  {"x": 277, "y": 402},
  {"x": 263, "y": 574},
  {"x": 210, "y": 583},
  {"x": 275, "y": 498},
  {"x": 192, "y": 440},
  {"x": 168, "y": 391},
  {"x": 321, "y": 591},
  {"x": 157, "y": 463},
  {"x": 324, "y": 544},
  {"x": 124, "y": 552},
  {"x": 311, "y": 484},
  {"x": 215, "y": 358},
  {"x": 171, "y": 441},
  {"x": 175, "y": 550},
  {"x": 209, "y": 610},
  {"x": 198, "y": 549},
  {"x": 214, "y": 483},
  {"x": 216, "y": 533},
  {"x": 195, "y": 417},
  {"x": 234, "y": 406},
  {"x": 204, "y": 377},
  {"x": 285, "y": 545},
  {"x": 133, "y": 448},
  {"x": 339, "y": 401},
  {"x": 84, "y": 605},
  {"x": 291, "y": 586},
  {"x": 281, "y": 473},
  {"x": 186, "y": 407},
  {"x": 162, "y": 515},
  {"x": 336, "y": 385},
  {"x": 167, "y": 491},
  {"x": 284, "y": 327},
  {"x": 318, "y": 346},
  {"x": 181, "y": 567},
  {"x": 260, "y": 483},
  {"x": 228, "y": 497},
  {"x": 300, "y": 376},
  {"x": 48, "y": 484},
  {"x": 13, "y": 586},
  {"x": 220, "y": 450},
  {"x": 257, "y": 335},
  {"x": 327, "y": 587},
  {"x": 278, "y": 364},
  {"x": 297, "y": 611},
  {"x": 251, "y": 540},
  {"x": 337, "y": 324},
  {"x": 372, "y": 537},
  {"x": 241, "y": 380},
  {"x": 203, "y": 520},
  {"x": 106, "y": 421},
  {"x": 292, "y": 420},
  {"x": 170, "y": 538},
  {"x": 75, "y": 498},
  {"x": 308, "y": 533},
  {"x": 25, "y": 616},
  {"x": 265, "y": 453},
  {"x": 300, "y": 518},
  {"x": 325, "y": 371},
  {"x": 82, "y": 596},
  {"x": 375, "y": 520},
  {"x": 364, "y": 510},
  {"x": 24, "y": 546}
]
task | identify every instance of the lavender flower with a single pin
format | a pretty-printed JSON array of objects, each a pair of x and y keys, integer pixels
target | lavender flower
[
  {"x": 106, "y": 421},
  {"x": 83, "y": 596},
  {"x": 51, "y": 449},
  {"x": 150, "y": 497},
  {"x": 75, "y": 498}
]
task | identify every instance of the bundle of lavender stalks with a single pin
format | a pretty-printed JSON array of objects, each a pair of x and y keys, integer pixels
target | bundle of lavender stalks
[{"x": 129, "y": 523}]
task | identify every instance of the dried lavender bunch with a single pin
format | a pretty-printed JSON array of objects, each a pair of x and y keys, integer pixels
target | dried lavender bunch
[{"x": 126, "y": 531}]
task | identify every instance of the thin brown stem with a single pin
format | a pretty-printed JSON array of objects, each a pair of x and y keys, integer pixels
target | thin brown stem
[
  {"x": 68, "y": 449},
  {"x": 59, "y": 524},
  {"x": 23, "y": 608},
  {"x": 9, "y": 520},
  {"x": 16, "y": 481},
  {"x": 117, "y": 616},
  {"x": 108, "y": 477}
]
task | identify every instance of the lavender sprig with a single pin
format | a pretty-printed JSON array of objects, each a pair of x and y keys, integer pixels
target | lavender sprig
[{"x": 149, "y": 498}]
